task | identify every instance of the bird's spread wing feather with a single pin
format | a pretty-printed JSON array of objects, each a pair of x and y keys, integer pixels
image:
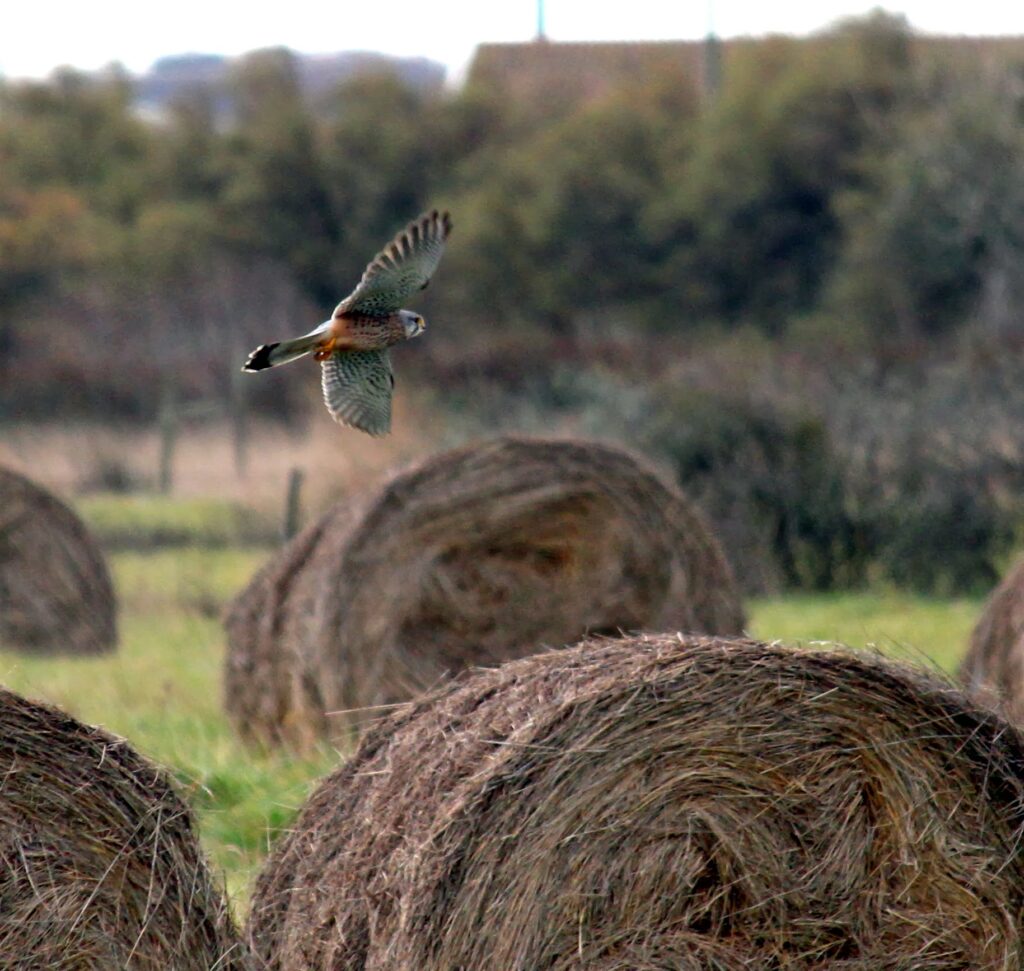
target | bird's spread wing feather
[
  {"x": 404, "y": 266},
  {"x": 357, "y": 389}
]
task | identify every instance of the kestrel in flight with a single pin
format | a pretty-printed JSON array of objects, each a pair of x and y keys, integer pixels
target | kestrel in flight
[{"x": 352, "y": 347}]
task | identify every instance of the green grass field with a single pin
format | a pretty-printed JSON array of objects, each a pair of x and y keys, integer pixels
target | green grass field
[
  {"x": 147, "y": 521},
  {"x": 162, "y": 689}
]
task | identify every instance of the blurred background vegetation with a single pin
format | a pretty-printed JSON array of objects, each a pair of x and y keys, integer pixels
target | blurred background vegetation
[{"x": 789, "y": 269}]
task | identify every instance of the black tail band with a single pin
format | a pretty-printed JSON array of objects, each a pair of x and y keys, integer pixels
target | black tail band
[{"x": 259, "y": 359}]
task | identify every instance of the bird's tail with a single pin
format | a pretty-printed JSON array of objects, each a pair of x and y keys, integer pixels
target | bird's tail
[{"x": 281, "y": 352}]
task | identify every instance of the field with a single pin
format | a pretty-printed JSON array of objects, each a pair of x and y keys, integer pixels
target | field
[
  {"x": 177, "y": 562},
  {"x": 162, "y": 689}
]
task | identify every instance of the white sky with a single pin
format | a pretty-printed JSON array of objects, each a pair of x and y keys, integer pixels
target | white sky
[{"x": 39, "y": 35}]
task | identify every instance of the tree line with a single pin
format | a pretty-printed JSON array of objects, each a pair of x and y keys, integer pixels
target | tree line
[
  {"x": 852, "y": 186},
  {"x": 804, "y": 296}
]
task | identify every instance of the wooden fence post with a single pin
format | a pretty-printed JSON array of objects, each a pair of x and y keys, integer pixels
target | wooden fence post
[
  {"x": 239, "y": 416},
  {"x": 292, "y": 504},
  {"x": 167, "y": 421}
]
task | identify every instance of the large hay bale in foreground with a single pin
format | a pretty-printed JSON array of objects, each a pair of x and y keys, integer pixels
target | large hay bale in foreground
[
  {"x": 100, "y": 865},
  {"x": 475, "y": 556},
  {"x": 992, "y": 671},
  {"x": 55, "y": 589},
  {"x": 662, "y": 803}
]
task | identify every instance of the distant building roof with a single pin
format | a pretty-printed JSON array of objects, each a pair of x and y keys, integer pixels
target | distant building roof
[
  {"x": 582, "y": 71},
  {"x": 989, "y": 50}
]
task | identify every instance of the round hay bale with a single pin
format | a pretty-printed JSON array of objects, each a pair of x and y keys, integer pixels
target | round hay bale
[
  {"x": 476, "y": 556},
  {"x": 100, "y": 866},
  {"x": 662, "y": 802},
  {"x": 55, "y": 589},
  {"x": 992, "y": 671}
]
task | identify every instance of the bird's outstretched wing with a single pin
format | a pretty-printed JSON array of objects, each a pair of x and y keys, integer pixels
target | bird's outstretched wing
[
  {"x": 404, "y": 266},
  {"x": 357, "y": 389}
]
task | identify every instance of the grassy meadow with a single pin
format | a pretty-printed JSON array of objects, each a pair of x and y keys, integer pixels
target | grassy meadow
[{"x": 162, "y": 689}]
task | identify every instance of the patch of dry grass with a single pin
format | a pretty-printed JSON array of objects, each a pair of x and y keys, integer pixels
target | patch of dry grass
[{"x": 335, "y": 460}]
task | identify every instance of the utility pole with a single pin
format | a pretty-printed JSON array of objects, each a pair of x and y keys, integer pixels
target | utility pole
[
  {"x": 292, "y": 504},
  {"x": 541, "y": 36},
  {"x": 712, "y": 60},
  {"x": 712, "y": 69},
  {"x": 167, "y": 421}
]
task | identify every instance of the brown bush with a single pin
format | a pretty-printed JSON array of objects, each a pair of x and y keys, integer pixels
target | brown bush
[
  {"x": 476, "y": 556},
  {"x": 662, "y": 802},
  {"x": 100, "y": 866},
  {"x": 992, "y": 671},
  {"x": 55, "y": 591}
]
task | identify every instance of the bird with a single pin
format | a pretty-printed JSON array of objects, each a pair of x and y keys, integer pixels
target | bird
[{"x": 352, "y": 347}]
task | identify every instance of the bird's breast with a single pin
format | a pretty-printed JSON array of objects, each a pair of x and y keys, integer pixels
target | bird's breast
[{"x": 360, "y": 332}]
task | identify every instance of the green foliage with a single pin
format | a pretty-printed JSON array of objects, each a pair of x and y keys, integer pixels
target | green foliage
[
  {"x": 77, "y": 132},
  {"x": 167, "y": 240},
  {"x": 750, "y": 219},
  {"x": 275, "y": 198},
  {"x": 939, "y": 218},
  {"x": 839, "y": 483},
  {"x": 588, "y": 181},
  {"x": 380, "y": 154},
  {"x": 944, "y": 541},
  {"x": 857, "y": 177},
  {"x": 191, "y": 164},
  {"x": 43, "y": 233},
  {"x": 771, "y": 481}
]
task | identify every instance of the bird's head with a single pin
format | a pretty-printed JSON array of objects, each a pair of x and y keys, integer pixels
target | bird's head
[{"x": 414, "y": 324}]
